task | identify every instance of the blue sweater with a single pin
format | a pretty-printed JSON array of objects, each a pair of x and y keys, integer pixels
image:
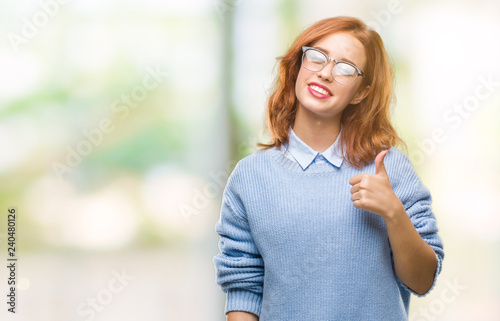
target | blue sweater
[{"x": 293, "y": 247}]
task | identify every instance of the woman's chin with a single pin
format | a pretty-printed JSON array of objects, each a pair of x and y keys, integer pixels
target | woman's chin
[{"x": 320, "y": 110}]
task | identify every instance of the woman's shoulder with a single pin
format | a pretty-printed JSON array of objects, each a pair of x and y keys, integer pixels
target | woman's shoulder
[
  {"x": 398, "y": 158},
  {"x": 254, "y": 162},
  {"x": 257, "y": 158},
  {"x": 250, "y": 171},
  {"x": 400, "y": 169}
]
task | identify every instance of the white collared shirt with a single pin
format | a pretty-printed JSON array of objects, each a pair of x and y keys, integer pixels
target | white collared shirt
[{"x": 304, "y": 155}]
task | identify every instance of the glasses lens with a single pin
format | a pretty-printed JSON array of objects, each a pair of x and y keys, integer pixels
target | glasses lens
[
  {"x": 344, "y": 73},
  {"x": 313, "y": 60}
]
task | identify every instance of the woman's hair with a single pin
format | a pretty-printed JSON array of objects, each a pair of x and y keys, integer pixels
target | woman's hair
[{"x": 366, "y": 128}]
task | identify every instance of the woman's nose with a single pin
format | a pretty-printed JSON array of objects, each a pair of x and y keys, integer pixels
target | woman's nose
[{"x": 326, "y": 72}]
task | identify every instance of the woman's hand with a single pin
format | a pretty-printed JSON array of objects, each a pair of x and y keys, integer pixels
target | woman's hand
[{"x": 374, "y": 193}]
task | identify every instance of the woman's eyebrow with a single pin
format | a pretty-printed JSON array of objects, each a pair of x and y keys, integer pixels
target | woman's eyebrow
[{"x": 328, "y": 53}]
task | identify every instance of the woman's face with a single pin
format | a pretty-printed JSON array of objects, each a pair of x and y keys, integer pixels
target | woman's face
[{"x": 339, "y": 46}]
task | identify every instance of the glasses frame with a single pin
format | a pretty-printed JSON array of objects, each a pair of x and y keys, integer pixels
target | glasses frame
[{"x": 328, "y": 59}]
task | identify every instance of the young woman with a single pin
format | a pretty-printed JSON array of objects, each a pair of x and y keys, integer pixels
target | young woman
[{"x": 329, "y": 221}]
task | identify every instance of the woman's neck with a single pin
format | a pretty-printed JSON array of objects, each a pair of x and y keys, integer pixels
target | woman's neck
[{"x": 318, "y": 133}]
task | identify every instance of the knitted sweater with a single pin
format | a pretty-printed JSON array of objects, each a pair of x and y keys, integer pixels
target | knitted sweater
[{"x": 293, "y": 247}]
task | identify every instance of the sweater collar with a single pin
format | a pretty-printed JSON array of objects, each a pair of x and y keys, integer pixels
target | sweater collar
[{"x": 305, "y": 155}]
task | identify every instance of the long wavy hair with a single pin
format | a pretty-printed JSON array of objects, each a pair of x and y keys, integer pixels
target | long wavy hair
[{"x": 366, "y": 127}]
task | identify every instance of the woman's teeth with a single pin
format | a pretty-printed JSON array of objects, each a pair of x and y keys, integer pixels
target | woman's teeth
[{"x": 319, "y": 89}]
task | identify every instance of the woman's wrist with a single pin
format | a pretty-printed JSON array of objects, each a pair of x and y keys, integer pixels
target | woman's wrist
[
  {"x": 241, "y": 316},
  {"x": 394, "y": 213}
]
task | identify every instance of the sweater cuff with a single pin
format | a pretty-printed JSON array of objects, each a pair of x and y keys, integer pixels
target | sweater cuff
[{"x": 243, "y": 300}]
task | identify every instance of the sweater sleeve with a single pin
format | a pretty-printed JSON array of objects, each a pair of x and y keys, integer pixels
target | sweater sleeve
[
  {"x": 417, "y": 201},
  {"x": 239, "y": 265}
]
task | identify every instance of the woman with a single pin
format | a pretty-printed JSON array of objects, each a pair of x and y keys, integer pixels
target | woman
[{"x": 329, "y": 221}]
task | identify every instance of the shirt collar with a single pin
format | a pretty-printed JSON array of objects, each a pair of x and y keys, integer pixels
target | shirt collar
[{"x": 305, "y": 155}]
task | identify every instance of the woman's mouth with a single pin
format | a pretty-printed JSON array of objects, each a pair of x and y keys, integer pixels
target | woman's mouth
[{"x": 318, "y": 91}]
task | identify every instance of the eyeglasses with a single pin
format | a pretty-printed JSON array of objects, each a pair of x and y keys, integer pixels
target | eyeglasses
[{"x": 343, "y": 72}]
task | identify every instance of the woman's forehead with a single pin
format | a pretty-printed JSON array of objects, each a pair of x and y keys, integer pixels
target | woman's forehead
[{"x": 342, "y": 45}]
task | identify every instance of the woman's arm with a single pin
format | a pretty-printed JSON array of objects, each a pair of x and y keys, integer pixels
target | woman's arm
[
  {"x": 239, "y": 265},
  {"x": 415, "y": 260},
  {"x": 241, "y": 316}
]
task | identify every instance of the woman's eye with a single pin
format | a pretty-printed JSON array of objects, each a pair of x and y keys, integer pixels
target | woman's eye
[
  {"x": 344, "y": 69},
  {"x": 315, "y": 58}
]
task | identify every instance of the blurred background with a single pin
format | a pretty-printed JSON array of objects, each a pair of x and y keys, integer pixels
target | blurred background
[{"x": 120, "y": 122}]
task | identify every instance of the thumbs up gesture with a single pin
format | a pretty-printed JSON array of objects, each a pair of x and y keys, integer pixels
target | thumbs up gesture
[{"x": 374, "y": 193}]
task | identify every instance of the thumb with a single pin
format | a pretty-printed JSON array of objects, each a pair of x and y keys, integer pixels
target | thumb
[{"x": 379, "y": 163}]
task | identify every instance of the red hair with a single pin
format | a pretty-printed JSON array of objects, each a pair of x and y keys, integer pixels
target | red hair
[{"x": 366, "y": 127}]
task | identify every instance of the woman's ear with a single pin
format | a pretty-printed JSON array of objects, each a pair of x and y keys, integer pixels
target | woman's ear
[{"x": 360, "y": 95}]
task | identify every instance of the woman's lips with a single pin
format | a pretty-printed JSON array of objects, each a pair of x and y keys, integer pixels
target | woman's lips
[{"x": 313, "y": 89}]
